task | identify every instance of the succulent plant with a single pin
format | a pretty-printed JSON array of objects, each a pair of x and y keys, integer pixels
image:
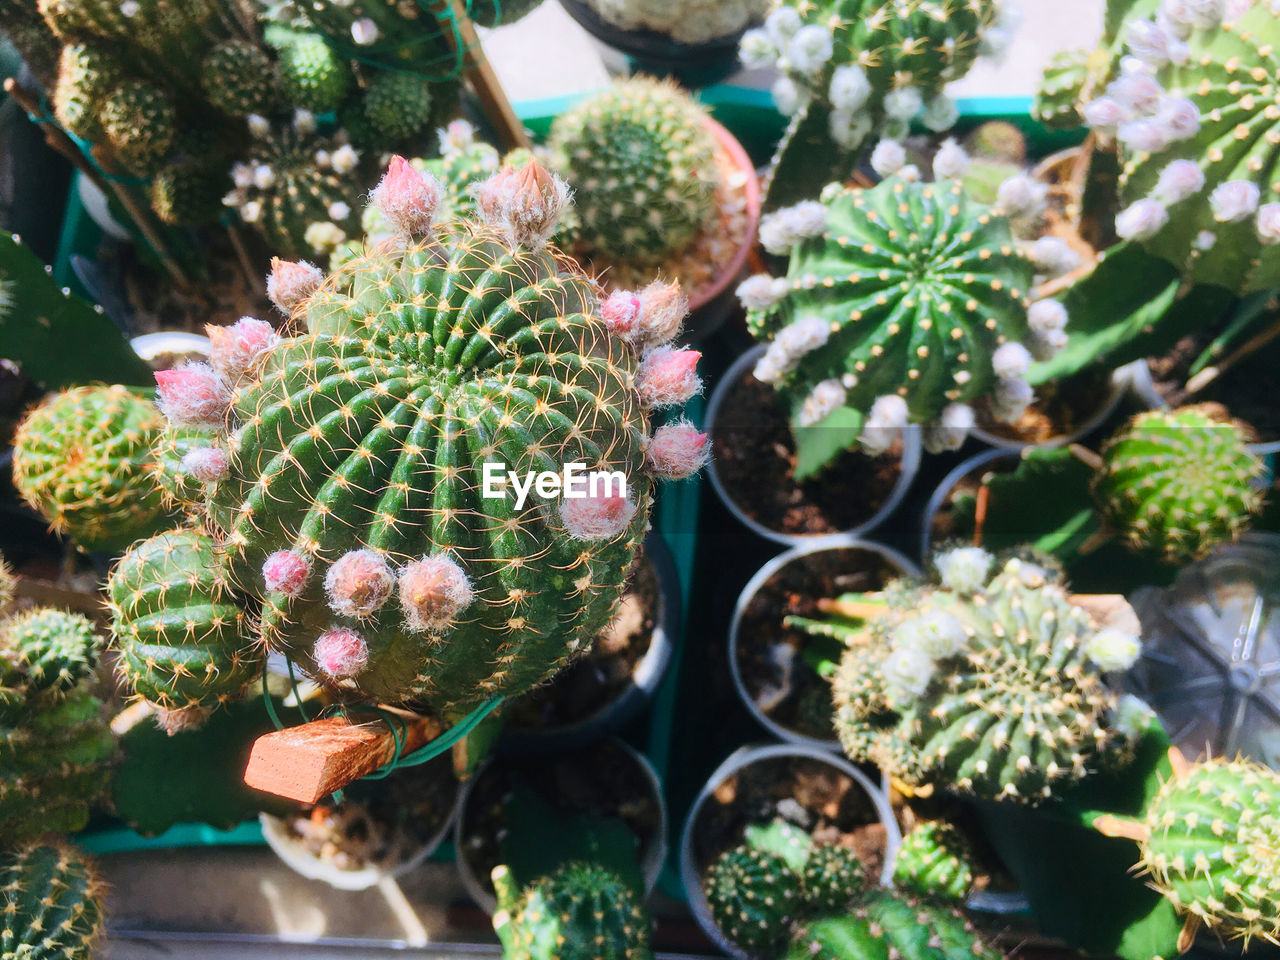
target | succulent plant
[
  {"x": 53, "y": 650},
  {"x": 1195, "y": 120},
  {"x": 988, "y": 685},
  {"x": 906, "y": 302},
  {"x": 180, "y": 32},
  {"x": 934, "y": 861},
  {"x": 1178, "y": 482},
  {"x": 885, "y": 924},
  {"x": 832, "y": 878},
  {"x": 81, "y": 458},
  {"x": 1061, "y": 90},
  {"x": 685, "y": 21},
  {"x": 138, "y": 120},
  {"x": 238, "y": 78},
  {"x": 642, "y": 160},
  {"x": 184, "y": 645},
  {"x": 352, "y": 503},
  {"x": 753, "y": 895},
  {"x": 51, "y": 902},
  {"x": 188, "y": 194},
  {"x": 312, "y": 74},
  {"x": 581, "y": 912},
  {"x": 86, "y": 74},
  {"x": 397, "y": 105}
]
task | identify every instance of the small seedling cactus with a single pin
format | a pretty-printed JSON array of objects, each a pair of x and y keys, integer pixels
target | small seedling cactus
[
  {"x": 53, "y": 650},
  {"x": 580, "y": 912},
  {"x": 312, "y": 74},
  {"x": 238, "y": 78},
  {"x": 82, "y": 459},
  {"x": 397, "y": 106},
  {"x": 642, "y": 161},
  {"x": 1178, "y": 482},
  {"x": 934, "y": 861},
  {"x": 831, "y": 879},
  {"x": 51, "y": 900},
  {"x": 139, "y": 122},
  {"x": 754, "y": 895}
]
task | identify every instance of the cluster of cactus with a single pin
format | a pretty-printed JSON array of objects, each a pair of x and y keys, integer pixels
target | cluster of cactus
[
  {"x": 934, "y": 861},
  {"x": 82, "y": 458},
  {"x": 907, "y": 302},
  {"x": 1178, "y": 482},
  {"x": 1192, "y": 109},
  {"x": 699, "y": 21},
  {"x": 582, "y": 911},
  {"x": 983, "y": 684},
  {"x": 51, "y": 900},
  {"x": 345, "y": 473},
  {"x": 54, "y": 744},
  {"x": 642, "y": 160},
  {"x": 1059, "y": 96}
]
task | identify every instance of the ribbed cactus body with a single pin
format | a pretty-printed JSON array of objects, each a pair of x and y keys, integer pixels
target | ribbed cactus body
[
  {"x": 934, "y": 861},
  {"x": 81, "y": 458},
  {"x": 397, "y": 105},
  {"x": 139, "y": 121},
  {"x": 580, "y": 912},
  {"x": 371, "y": 431},
  {"x": 178, "y": 30},
  {"x": 51, "y": 900},
  {"x": 239, "y": 78},
  {"x": 1061, "y": 89},
  {"x": 54, "y": 650},
  {"x": 179, "y": 489},
  {"x": 1179, "y": 482},
  {"x": 642, "y": 160},
  {"x": 86, "y": 74},
  {"x": 832, "y": 878},
  {"x": 754, "y": 895},
  {"x": 181, "y": 635},
  {"x": 312, "y": 75},
  {"x": 187, "y": 193},
  {"x": 885, "y": 926}
]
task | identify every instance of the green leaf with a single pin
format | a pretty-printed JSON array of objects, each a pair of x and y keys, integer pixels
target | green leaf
[
  {"x": 819, "y": 445},
  {"x": 782, "y": 839}
]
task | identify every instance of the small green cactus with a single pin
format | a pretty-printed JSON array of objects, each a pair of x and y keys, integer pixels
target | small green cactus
[
  {"x": 54, "y": 650},
  {"x": 642, "y": 159},
  {"x": 51, "y": 900},
  {"x": 139, "y": 122},
  {"x": 1061, "y": 90},
  {"x": 934, "y": 861},
  {"x": 81, "y": 458},
  {"x": 753, "y": 895},
  {"x": 397, "y": 105},
  {"x": 187, "y": 193},
  {"x": 86, "y": 74},
  {"x": 183, "y": 642},
  {"x": 832, "y": 878},
  {"x": 1178, "y": 482},
  {"x": 580, "y": 912},
  {"x": 312, "y": 75},
  {"x": 238, "y": 78}
]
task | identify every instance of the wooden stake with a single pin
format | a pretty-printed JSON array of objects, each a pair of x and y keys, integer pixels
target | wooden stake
[
  {"x": 308, "y": 762},
  {"x": 482, "y": 78},
  {"x": 1110, "y": 825}
]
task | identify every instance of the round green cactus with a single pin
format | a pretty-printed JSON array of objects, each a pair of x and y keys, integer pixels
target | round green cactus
[
  {"x": 1178, "y": 482},
  {"x": 1061, "y": 90},
  {"x": 886, "y": 925},
  {"x": 139, "y": 122},
  {"x": 182, "y": 638},
  {"x": 580, "y": 912},
  {"x": 180, "y": 489},
  {"x": 238, "y": 78},
  {"x": 753, "y": 895},
  {"x": 51, "y": 900},
  {"x": 312, "y": 75},
  {"x": 188, "y": 193},
  {"x": 53, "y": 649},
  {"x": 934, "y": 861},
  {"x": 86, "y": 74},
  {"x": 832, "y": 878},
  {"x": 81, "y": 458},
  {"x": 397, "y": 105},
  {"x": 1198, "y": 133},
  {"x": 642, "y": 159}
]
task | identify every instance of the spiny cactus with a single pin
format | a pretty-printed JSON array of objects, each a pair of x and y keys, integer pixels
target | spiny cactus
[
  {"x": 885, "y": 924},
  {"x": 312, "y": 74},
  {"x": 353, "y": 506},
  {"x": 686, "y": 21},
  {"x": 53, "y": 650},
  {"x": 1208, "y": 843},
  {"x": 183, "y": 642},
  {"x": 397, "y": 105},
  {"x": 81, "y": 458},
  {"x": 51, "y": 900},
  {"x": 989, "y": 685},
  {"x": 1061, "y": 89},
  {"x": 157, "y": 26},
  {"x": 934, "y": 861},
  {"x": 138, "y": 120},
  {"x": 239, "y": 78},
  {"x": 86, "y": 74},
  {"x": 832, "y": 878},
  {"x": 1178, "y": 482},
  {"x": 906, "y": 302},
  {"x": 1197, "y": 125},
  {"x": 753, "y": 895},
  {"x": 188, "y": 194},
  {"x": 581, "y": 912},
  {"x": 643, "y": 162}
]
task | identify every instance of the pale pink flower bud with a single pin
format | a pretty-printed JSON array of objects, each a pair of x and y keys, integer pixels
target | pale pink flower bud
[
  {"x": 193, "y": 396},
  {"x": 677, "y": 450},
  {"x": 759, "y": 292},
  {"x": 286, "y": 571},
  {"x": 1141, "y": 220},
  {"x": 662, "y": 311},
  {"x": 1180, "y": 117},
  {"x": 1145, "y": 136},
  {"x": 597, "y": 518},
  {"x": 290, "y": 283},
  {"x": 1178, "y": 181},
  {"x": 668, "y": 377},
  {"x": 621, "y": 310},
  {"x": 1234, "y": 201},
  {"x": 525, "y": 204},
  {"x": 236, "y": 350},
  {"x": 206, "y": 464},
  {"x": 825, "y": 398},
  {"x": 1106, "y": 114},
  {"x": 433, "y": 592},
  {"x": 340, "y": 652},
  {"x": 358, "y": 583},
  {"x": 408, "y": 198},
  {"x": 1268, "y": 224},
  {"x": 1010, "y": 360}
]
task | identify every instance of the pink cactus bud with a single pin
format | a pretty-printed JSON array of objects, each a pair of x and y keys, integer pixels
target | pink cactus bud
[
  {"x": 408, "y": 198},
  {"x": 525, "y": 204},
  {"x": 290, "y": 283},
  {"x": 668, "y": 377},
  {"x": 620, "y": 311},
  {"x": 596, "y": 518},
  {"x": 341, "y": 652},
  {"x": 358, "y": 583},
  {"x": 677, "y": 450},
  {"x": 433, "y": 591},
  {"x": 662, "y": 311},
  {"x": 286, "y": 571},
  {"x": 193, "y": 396},
  {"x": 206, "y": 464},
  {"x": 236, "y": 350}
]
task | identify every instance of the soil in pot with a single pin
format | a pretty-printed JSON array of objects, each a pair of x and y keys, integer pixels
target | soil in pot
[
  {"x": 606, "y": 672},
  {"x": 755, "y": 459},
  {"x": 780, "y": 667},
  {"x": 538, "y": 812},
  {"x": 1062, "y": 409}
]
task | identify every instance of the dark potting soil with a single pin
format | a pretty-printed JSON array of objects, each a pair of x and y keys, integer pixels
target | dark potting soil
[
  {"x": 1061, "y": 408},
  {"x": 606, "y": 671},
  {"x": 786, "y": 687},
  {"x": 823, "y": 801},
  {"x": 755, "y": 460},
  {"x": 601, "y": 781}
]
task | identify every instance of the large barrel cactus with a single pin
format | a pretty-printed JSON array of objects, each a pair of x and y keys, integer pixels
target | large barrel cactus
[
  {"x": 51, "y": 900},
  {"x": 364, "y": 500}
]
